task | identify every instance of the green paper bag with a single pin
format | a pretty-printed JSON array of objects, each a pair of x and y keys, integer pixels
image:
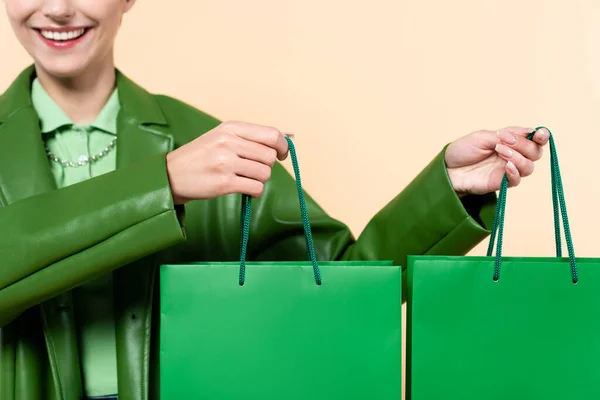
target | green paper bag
[
  {"x": 498, "y": 328},
  {"x": 281, "y": 330}
]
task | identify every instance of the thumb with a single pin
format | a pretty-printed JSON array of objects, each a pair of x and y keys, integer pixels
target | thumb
[
  {"x": 471, "y": 149},
  {"x": 518, "y": 130}
]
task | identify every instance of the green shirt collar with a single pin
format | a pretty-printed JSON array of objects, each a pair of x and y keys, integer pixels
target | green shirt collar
[
  {"x": 53, "y": 117},
  {"x": 138, "y": 106}
]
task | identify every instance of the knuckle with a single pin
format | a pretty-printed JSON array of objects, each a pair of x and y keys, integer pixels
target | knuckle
[
  {"x": 514, "y": 181},
  {"x": 258, "y": 189},
  {"x": 272, "y": 136},
  {"x": 272, "y": 157},
  {"x": 225, "y": 184},
  {"x": 528, "y": 169},
  {"x": 229, "y": 125},
  {"x": 265, "y": 174},
  {"x": 531, "y": 149},
  {"x": 482, "y": 133},
  {"x": 224, "y": 140},
  {"x": 223, "y": 161},
  {"x": 224, "y": 126}
]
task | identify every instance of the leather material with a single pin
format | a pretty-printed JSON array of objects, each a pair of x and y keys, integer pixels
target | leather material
[{"x": 125, "y": 221}]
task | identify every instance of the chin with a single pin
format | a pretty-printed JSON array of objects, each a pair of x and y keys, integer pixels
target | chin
[{"x": 63, "y": 67}]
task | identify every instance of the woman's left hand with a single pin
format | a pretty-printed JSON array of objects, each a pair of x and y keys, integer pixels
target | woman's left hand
[{"x": 478, "y": 161}]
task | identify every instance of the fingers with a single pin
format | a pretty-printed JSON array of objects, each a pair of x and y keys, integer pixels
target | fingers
[
  {"x": 541, "y": 135},
  {"x": 518, "y": 130},
  {"x": 527, "y": 148},
  {"x": 255, "y": 152},
  {"x": 250, "y": 178},
  {"x": 264, "y": 135},
  {"x": 519, "y": 142},
  {"x": 247, "y": 186},
  {"x": 524, "y": 165},
  {"x": 253, "y": 170},
  {"x": 514, "y": 178}
]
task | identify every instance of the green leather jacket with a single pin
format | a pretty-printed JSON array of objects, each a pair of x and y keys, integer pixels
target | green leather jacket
[{"x": 125, "y": 221}]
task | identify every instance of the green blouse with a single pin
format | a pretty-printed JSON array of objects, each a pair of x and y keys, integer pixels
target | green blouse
[{"x": 94, "y": 300}]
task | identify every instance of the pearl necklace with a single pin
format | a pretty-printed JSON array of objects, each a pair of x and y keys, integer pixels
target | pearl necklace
[{"x": 83, "y": 160}]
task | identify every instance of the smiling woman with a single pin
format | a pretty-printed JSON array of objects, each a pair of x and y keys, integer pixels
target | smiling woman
[{"x": 100, "y": 183}]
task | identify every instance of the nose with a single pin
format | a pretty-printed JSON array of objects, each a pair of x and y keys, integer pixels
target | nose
[{"x": 60, "y": 11}]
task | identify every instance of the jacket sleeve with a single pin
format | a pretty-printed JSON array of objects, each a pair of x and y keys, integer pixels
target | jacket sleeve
[
  {"x": 427, "y": 217},
  {"x": 56, "y": 241}
]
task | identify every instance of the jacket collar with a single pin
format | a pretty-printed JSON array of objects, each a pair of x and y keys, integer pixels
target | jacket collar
[
  {"x": 52, "y": 117},
  {"x": 17, "y": 96},
  {"x": 135, "y": 101}
]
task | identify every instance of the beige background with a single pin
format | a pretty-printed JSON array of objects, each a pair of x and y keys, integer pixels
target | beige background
[{"x": 373, "y": 90}]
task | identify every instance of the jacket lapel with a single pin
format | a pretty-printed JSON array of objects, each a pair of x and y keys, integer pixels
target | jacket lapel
[
  {"x": 24, "y": 168},
  {"x": 141, "y": 125}
]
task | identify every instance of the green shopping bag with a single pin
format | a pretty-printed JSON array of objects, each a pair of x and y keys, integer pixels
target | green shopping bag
[
  {"x": 499, "y": 328},
  {"x": 280, "y": 330}
]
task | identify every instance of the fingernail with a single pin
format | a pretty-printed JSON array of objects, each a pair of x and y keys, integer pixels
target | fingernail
[
  {"x": 506, "y": 137},
  {"x": 511, "y": 168},
  {"x": 504, "y": 151},
  {"x": 542, "y": 134}
]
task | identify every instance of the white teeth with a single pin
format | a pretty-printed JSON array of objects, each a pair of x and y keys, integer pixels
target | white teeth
[{"x": 61, "y": 36}]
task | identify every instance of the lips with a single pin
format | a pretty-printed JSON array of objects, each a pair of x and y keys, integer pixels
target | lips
[{"x": 63, "y": 37}]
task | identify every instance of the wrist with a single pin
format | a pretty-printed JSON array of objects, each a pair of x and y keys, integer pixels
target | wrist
[
  {"x": 456, "y": 182},
  {"x": 171, "y": 174}
]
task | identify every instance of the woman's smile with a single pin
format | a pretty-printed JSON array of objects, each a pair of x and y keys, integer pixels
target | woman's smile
[{"x": 63, "y": 37}]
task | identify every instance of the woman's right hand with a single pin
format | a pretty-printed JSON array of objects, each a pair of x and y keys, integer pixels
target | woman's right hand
[{"x": 234, "y": 157}]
